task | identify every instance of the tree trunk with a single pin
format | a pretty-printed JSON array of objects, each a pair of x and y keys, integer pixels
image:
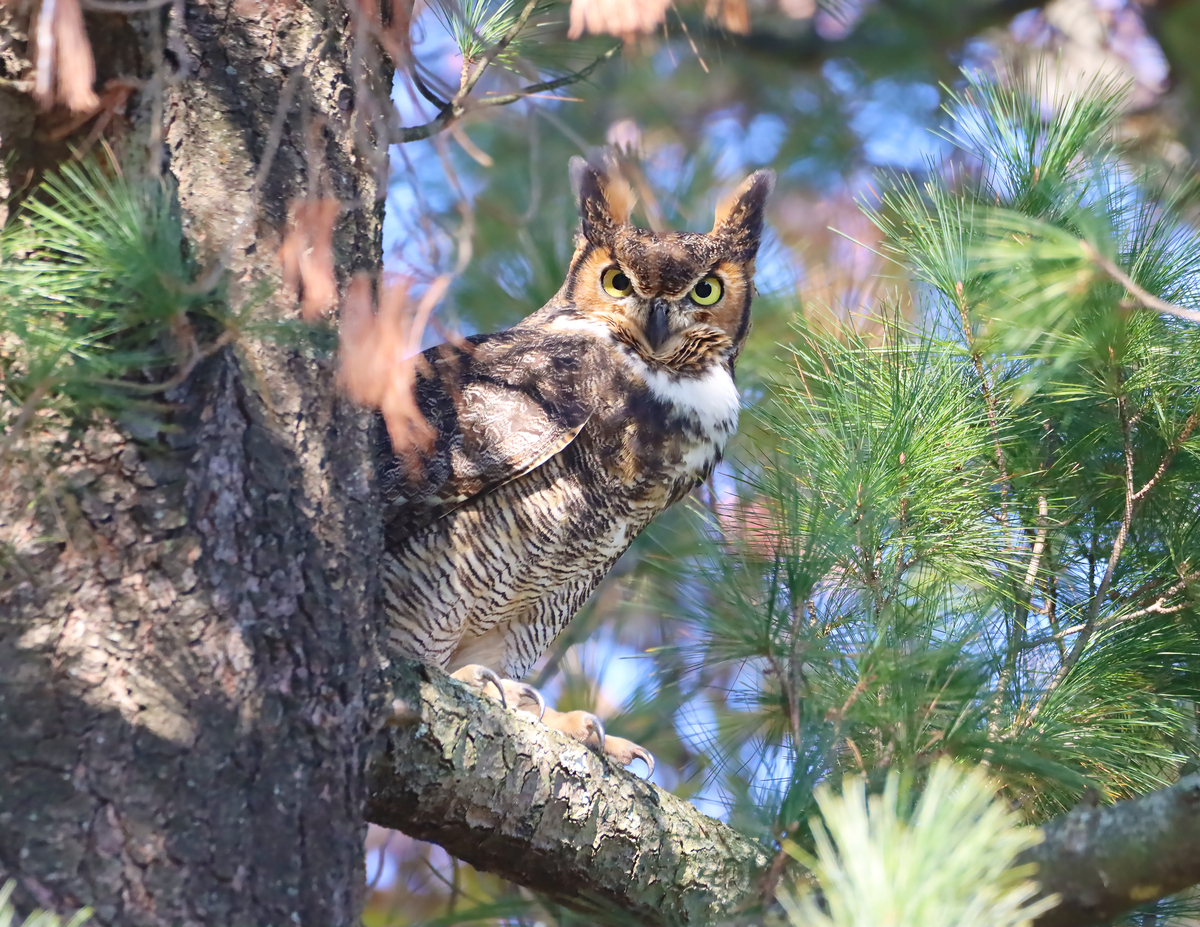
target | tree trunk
[{"x": 188, "y": 643}]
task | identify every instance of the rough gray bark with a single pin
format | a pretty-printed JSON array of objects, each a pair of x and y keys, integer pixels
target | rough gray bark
[
  {"x": 512, "y": 797},
  {"x": 1106, "y": 861},
  {"x": 188, "y": 661}
]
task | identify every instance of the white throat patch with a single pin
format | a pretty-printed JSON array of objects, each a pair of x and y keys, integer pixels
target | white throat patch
[{"x": 712, "y": 398}]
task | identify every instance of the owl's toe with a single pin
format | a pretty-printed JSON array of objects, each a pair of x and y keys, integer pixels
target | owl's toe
[
  {"x": 626, "y": 751},
  {"x": 582, "y": 726},
  {"x": 508, "y": 692},
  {"x": 589, "y": 730},
  {"x": 578, "y": 725},
  {"x": 523, "y": 696},
  {"x": 485, "y": 680}
]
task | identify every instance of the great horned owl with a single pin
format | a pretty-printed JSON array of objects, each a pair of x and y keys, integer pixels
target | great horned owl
[{"x": 558, "y": 440}]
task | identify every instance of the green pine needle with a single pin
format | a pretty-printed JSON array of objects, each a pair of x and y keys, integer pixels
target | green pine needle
[
  {"x": 946, "y": 863},
  {"x": 93, "y": 287}
]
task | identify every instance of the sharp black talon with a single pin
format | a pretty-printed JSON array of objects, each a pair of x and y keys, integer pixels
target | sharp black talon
[
  {"x": 646, "y": 757},
  {"x": 488, "y": 675},
  {"x": 531, "y": 692},
  {"x": 598, "y": 727}
]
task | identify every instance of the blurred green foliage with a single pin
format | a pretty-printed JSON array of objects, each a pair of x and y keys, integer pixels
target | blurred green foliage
[
  {"x": 36, "y": 918},
  {"x": 943, "y": 860}
]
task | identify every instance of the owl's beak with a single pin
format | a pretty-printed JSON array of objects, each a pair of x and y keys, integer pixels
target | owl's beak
[{"x": 658, "y": 327}]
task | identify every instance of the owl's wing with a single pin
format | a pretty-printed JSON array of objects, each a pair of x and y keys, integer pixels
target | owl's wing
[{"x": 499, "y": 405}]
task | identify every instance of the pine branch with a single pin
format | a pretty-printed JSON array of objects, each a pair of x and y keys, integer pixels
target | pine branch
[
  {"x": 1106, "y": 861},
  {"x": 512, "y": 797}
]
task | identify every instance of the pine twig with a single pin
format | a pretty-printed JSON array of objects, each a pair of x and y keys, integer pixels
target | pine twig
[
  {"x": 469, "y": 82},
  {"x": 455, "y": 109},
  {"x": 1148, "y": 300},
  {"x": 1188, "y": 427},
  {"x": 549, "y": 85},
  {"x": 1089, "y": 624}
]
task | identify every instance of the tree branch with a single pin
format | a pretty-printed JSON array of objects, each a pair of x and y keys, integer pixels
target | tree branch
[
  {"x": 1106, "y": 861},
  {"x": 1148, "y": 300},
  {"x": 510, "y": 796}
]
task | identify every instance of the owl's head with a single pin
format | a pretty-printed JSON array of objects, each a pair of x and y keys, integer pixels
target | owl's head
[{"x": 679, "y": 299}]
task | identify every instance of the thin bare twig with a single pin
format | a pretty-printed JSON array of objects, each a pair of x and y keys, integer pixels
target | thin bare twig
[
  {"x": 1148, "y": 300},
  {"x": 457, "y": 108},
  {"x": 28, "y": 408},
  {"x": 374, "y": 880},
  {"x": 198, "y": 354},
  {"x": 1021, "y": 613},
  {"x": 1158, "y": 607},
  {"x": 688, "y": 35},
  {"x": 1052, "y": 638},
  {"x": 1051, "y": 594},
  {"x": 1089, "y": 624},
  {"x": 549, "y": 85},
  {"x": 423, "y": 89},
  {"x": 1188, "y": 427}
]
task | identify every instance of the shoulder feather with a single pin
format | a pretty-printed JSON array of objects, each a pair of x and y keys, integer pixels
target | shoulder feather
[{"x": 500, "y": 405}]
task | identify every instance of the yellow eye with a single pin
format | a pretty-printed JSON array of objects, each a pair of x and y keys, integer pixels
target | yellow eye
[
  {"x": 706, "y": 292},
  {"x": 615, "y": 283}
]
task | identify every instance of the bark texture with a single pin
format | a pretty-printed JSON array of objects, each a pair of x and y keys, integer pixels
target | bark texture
[
  {"x": 1106, "y": 861},
  {"x": 188, "y": 661},
  {"x": 512, "y": 797}
]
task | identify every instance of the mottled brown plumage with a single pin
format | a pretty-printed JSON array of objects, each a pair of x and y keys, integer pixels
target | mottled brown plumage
[{"x": 561, "y": 438}]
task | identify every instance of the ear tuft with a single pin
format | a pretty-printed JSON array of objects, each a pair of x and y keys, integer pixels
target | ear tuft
[
  {"x": 605, "y": 198},
  {"x": 740, "y": 215}
]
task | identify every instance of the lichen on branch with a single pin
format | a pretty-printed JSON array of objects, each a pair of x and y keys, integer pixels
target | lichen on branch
[{"x": 510, "y": 796}]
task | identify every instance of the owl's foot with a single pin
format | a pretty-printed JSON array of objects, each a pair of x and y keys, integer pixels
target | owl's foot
[
  {"x": 582, "y": 726},
  {"x": 508, "y": 692},
  {"x": 589, "y": 730}
]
